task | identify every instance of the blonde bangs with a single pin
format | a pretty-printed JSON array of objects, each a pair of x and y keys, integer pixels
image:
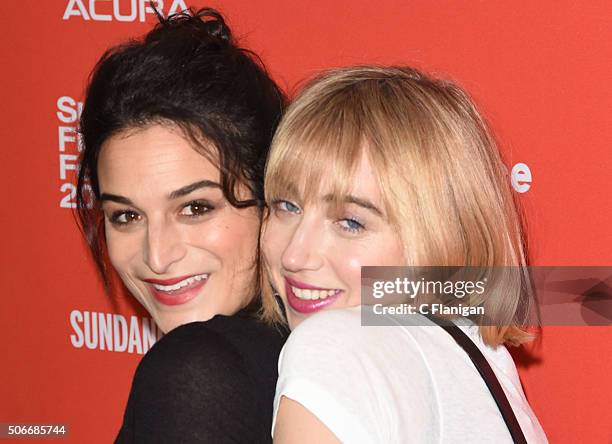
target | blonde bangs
[{"x": 311, "y": 142}]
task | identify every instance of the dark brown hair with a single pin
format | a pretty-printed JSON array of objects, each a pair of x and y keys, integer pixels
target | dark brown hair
[{"x": 189, "y": 72}]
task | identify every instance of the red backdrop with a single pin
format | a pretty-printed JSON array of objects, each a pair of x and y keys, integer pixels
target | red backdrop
[{"x": 539, "y": 70}]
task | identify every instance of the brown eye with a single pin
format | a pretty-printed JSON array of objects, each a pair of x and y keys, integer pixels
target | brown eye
[
  {"x": 196, "y": 208},
  {"x": 124, "y": 217}
]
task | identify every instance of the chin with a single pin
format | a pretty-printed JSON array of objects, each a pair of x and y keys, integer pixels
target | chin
[
  {"x": 167, "y": 322},
  {"x": 167, "y": 325}
]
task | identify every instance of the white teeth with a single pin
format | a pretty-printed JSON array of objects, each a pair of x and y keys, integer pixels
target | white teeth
[
  {"x": 314, "y": 295},
  {"x": 181, "y": 284}
]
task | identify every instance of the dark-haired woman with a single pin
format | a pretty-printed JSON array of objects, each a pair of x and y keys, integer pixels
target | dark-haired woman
[{"x": 176, "y": 129}]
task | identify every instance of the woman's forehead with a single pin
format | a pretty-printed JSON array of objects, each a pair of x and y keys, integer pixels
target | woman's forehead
[
  {"x": 156, "y": 157},
  {"x": 361, "y": 187}
]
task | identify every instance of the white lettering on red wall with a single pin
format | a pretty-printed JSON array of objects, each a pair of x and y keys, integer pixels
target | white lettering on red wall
[
  {"x": 119, "y": 10},
  {"x": 112, "y": 332}
]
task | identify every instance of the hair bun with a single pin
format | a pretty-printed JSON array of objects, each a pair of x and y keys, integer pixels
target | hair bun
[
  {"x": 215, "y": 23},
  {"x": 205, "y": 22}
]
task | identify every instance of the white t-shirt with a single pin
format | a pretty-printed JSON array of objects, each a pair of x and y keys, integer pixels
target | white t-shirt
[{"x": 393, "y": 384}]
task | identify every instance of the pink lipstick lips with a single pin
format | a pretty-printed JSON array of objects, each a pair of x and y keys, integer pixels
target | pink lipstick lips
[
  {"x": 305, "y": 298},
  {"x": 177, "y": 291}
]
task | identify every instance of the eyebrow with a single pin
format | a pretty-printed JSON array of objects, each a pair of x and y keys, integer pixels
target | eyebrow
[
  {"x": 192, "y": 187},
  {"x": 364, "y": 203},
  {"x": 115, "y": 198},
  {"x": 183, "y": 191}
]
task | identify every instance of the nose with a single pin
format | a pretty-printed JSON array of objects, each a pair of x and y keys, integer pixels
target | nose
[
  {"x": 304, "y": 250},
  {"x": 163, "y": 246}
]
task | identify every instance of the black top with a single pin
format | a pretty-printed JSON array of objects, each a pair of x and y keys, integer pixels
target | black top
[{"x": 210, "y": 381}]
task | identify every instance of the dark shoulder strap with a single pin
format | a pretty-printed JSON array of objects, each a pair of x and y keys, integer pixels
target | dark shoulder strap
[{"x": 485, "y": 370}]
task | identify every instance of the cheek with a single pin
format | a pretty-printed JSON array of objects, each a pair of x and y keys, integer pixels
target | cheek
[
  {"x": 346, "y": 263},
  {"x": 394, "y": 252},
  {"x": 384, "y": 251},
  {"x": 121, "y": 250},
  {"x": 231, "y": 239},
  {"x": 352, "y": 269},
  {"x": 273, "y": 243}
]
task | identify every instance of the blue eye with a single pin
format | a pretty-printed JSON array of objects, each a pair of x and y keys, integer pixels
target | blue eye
[
  {"x": 351, "y": 225},
  {"x": 286, "y": 206}
]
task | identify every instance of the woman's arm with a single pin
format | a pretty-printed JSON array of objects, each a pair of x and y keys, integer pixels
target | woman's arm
[
  {"x": 328, "y": 387},
  {"x": 296, "y": 425}
]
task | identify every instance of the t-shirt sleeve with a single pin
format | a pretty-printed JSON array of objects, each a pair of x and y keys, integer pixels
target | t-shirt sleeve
[
  {"x": 192, "y": 386},
  {"x": 337, "y": 370}
]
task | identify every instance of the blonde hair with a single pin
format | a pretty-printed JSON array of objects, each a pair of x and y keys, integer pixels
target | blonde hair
[{"x": 443, "y": 182}]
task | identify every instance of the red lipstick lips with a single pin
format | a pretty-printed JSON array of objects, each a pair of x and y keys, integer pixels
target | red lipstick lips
[
  {"x": 168, "y": 281},
  {"x": 177, "y": 291}
]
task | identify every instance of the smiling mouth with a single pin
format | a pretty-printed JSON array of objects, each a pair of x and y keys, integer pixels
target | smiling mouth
[
  {"x": 305, "y": 298},
  {"x": 306, "y": 294},
  {"x": 176, "y": 287},
  {"x": 177, "y": 291}
]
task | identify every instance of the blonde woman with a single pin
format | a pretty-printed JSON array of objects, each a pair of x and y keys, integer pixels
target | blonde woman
[{"x": 387, "y": 166}]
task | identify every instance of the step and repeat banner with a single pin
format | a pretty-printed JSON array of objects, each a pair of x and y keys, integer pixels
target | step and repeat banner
[{"x": 540, "y": 72}]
